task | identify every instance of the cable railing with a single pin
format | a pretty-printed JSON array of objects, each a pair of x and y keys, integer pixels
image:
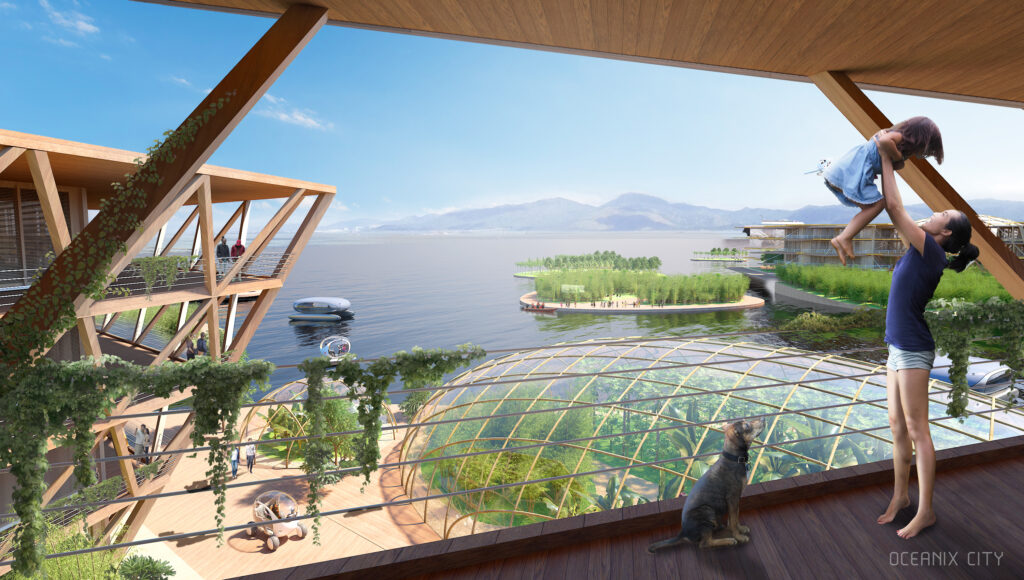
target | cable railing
[
  {"x": 610, "y": 407},
  {"x": 14, "y": 283},
  {"x": 462, "y": 492}
]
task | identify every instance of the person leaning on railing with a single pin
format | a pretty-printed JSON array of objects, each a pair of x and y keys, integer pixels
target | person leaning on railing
[{"x": 223, "y": 257}]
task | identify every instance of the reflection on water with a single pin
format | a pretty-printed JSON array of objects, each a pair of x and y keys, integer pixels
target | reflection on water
[{"x": 313, "y": 332}]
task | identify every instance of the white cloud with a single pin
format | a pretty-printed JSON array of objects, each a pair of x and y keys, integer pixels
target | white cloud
[
  {"x": 293, "y": 116},
  {"x": 60, "y": 42},
  {"x": 8, "y": 6},
  {"x": 273, "y": 100},
  {"x": 70, "y": 19},
  {"x": 181, "y": 81},
  {"x": 105, "y": 57}
]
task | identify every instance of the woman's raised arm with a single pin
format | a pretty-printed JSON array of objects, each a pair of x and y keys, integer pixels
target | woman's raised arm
[{"x": 897, "y": 213}]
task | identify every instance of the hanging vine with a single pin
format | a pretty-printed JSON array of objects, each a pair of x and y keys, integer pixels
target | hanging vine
[
  {"x": 41, "y": 399},
  {"x": 318, "y": 450},
  {"x": 956, "y": 323},
  {"x": 83, "y": 267},
  {"x": 156, "y": 268},
  {"x": 368, "y": 388},
  {"x": 221, "y": 388}
]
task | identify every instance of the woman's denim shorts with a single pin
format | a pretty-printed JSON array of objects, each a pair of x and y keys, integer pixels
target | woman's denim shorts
[{"x": 900, "y": 359}]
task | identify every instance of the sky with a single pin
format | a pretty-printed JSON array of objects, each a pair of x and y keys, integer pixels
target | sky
[{"x": 405, "y": 125}]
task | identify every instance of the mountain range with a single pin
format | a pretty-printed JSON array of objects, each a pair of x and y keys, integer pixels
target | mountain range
[{"x": 634, "y": 212}]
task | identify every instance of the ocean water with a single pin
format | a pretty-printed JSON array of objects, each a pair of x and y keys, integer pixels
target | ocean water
[{"x": 444, "y": 290}]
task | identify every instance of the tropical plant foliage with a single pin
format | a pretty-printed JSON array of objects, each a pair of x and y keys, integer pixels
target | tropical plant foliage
[{"x": 650, "y": 287}]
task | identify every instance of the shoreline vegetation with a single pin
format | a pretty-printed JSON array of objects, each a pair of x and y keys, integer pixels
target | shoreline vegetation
[
  {"x": 872, "y": 286},
  {"x": 647, "y": 288}
]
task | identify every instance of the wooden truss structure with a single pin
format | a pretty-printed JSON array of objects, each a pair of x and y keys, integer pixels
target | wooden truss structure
[{"x": 53, "y": 168}]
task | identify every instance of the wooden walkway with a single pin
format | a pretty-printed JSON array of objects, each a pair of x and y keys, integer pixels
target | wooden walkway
[
  {"x": 341, "y": 536},
  {"x": 813, "y": 526}
]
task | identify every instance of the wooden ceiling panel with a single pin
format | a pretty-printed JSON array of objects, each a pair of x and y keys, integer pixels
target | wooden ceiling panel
[{"x": 970, "y": 49}]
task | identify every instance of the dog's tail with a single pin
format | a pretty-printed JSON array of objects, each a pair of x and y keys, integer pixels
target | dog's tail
[{"x": 680, "y": 539}]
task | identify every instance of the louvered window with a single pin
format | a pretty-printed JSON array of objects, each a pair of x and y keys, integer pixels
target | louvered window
[{"x": 26, "y": 252}]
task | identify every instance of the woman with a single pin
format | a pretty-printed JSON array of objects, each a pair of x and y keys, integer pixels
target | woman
[{"x": 911, "y": 347}]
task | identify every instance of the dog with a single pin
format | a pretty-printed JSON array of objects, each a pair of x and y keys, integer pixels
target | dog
[{"x": 717, "y": 493}]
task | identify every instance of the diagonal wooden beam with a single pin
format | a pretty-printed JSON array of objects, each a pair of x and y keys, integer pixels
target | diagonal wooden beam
[
  {"x": 272, "y": 233},
  {"x": 302, "y": 235},
  {"x": 58, "y": 483},
  {"x": 205, "y": 207},
  {"x": 49, "y": 199},
  {"x": 8, "y": 155},
  {"x": 925, "y": 180},
  {"x": 175, "y": 343},
  {"x": 252, "y": 322},
  {"x": 83, "y": 304},
  {"x": 127, "y": 469},
  {"x": 244, "y": 85},
  {"x": 231, "y": 221},
  {"x": 180, "y": 232},
  {"x": 60, "y": 234},
  {"x": 265, "y": 234}
]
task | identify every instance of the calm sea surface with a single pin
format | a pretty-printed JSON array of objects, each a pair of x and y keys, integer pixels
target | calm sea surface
[{"x": 443, "y": 290}]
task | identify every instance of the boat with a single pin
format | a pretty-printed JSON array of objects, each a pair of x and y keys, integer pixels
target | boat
[{"x": 321, "y": 308}]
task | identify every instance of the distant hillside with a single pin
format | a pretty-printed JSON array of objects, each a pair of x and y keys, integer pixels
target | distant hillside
[{"x": 636, "y": 212}]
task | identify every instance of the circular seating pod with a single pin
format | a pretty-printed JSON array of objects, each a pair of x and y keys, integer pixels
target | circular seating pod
[{"x": 569, "y": 429}]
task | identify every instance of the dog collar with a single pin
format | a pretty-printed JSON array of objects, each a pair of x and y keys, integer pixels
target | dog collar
[{"x": 736, "y": 458}]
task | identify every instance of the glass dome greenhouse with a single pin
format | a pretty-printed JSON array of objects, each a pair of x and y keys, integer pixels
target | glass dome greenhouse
[{"x": 569, "y": 429}]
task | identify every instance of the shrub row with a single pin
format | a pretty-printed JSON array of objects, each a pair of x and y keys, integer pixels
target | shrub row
[{"x": 650, "y": 287}]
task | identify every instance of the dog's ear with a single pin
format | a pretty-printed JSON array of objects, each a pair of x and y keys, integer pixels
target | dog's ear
[{"x": 721, "y": 426}]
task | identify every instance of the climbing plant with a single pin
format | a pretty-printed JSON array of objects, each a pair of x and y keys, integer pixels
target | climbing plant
[
  {"x": 221, "y": 388},
  {"x": 956, "y": 323},
  {"x": 156, "y": 268},
  {"x": 63, "y": 399},
  {"x": 368, "y": 382},
  {"x": 44, "y": 313},
  {"x": 40, "y": 399},
  {"x": 368, "y": 387},
  {"x": 318, "y": 449}
]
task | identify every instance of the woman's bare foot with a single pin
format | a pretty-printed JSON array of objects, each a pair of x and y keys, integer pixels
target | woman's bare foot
[
  {"x": 894, "y": 506},
  {"x": 920, "y": 522},
  {"x": 840, "y": 249}
]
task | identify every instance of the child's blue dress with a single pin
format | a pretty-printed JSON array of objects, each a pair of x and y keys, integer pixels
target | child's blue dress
[{"x": 852, "y": 177}]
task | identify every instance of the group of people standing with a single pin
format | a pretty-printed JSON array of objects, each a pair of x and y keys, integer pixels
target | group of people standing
[{"x": 226, "y": 256}]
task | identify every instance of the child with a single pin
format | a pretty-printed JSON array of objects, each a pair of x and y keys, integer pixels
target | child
[{"x": 852, "y": 177}]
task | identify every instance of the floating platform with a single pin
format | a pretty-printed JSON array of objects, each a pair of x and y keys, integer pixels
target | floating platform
[{"x": 315, "y": 317}]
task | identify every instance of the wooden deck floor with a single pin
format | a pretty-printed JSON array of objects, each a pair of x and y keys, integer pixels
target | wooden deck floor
[
  {"x": 813, "y": 526},
  {"x": 341, "y": 536},
  {"x": 835, "y": 536}
]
